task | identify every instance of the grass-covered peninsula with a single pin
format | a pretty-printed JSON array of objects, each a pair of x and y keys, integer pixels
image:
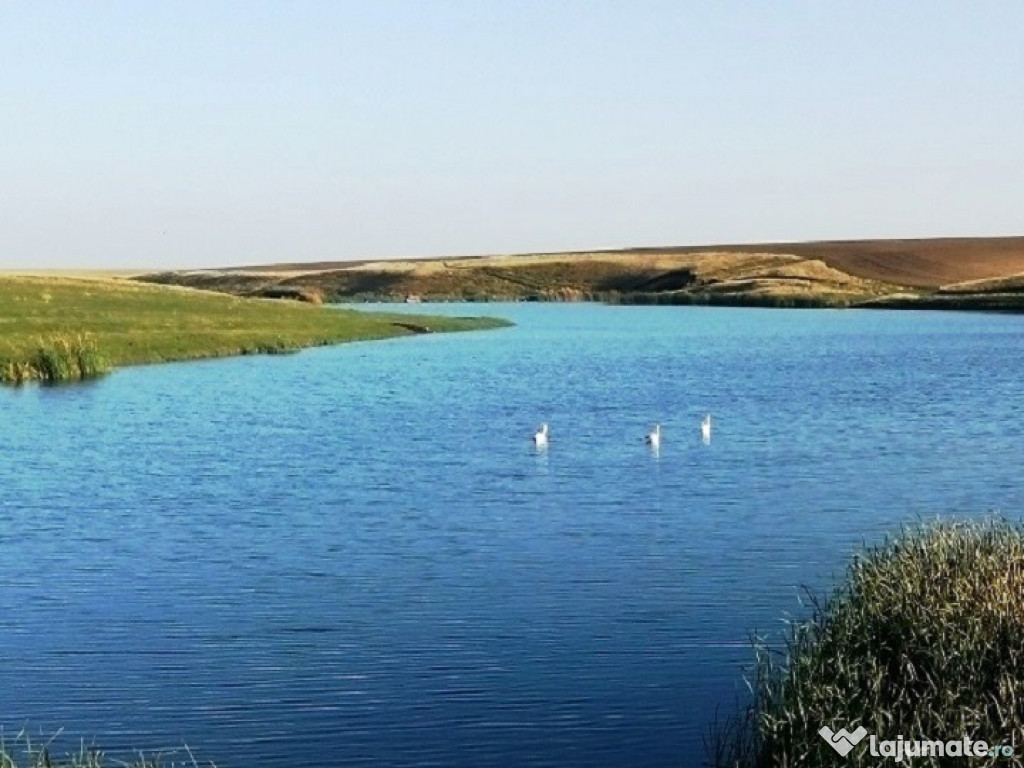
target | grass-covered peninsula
[{"x": 64, "y": 328}]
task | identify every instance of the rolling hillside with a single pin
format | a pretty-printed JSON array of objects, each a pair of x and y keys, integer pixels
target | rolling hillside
[{"x": 965, "y": 273}]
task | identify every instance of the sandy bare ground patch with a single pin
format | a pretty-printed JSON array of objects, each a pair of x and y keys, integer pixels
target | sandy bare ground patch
[{"x": 1009, "y": 284}]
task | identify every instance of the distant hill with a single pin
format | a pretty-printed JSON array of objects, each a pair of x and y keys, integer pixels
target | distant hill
[
  {"x": 983, "y": 273},
  {"x": 928, "y": 263}
]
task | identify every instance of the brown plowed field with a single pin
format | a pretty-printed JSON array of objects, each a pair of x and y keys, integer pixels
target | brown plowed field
[{"x": 919, "y": 263}]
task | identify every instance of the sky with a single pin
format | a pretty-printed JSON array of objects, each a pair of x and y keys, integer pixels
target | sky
[{"x": 215, "y": 133}]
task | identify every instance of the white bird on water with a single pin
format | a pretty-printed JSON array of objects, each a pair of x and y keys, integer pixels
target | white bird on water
[
  {"x": 540, "y": 437},
  {"x": 654, "y": 438},
  {"x": 705, "y": 429}
]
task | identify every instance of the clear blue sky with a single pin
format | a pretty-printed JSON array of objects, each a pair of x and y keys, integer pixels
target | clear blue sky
[{"x": 212, "y": 133}]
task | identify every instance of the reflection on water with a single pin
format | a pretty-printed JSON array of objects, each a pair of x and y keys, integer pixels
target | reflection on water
[
  {"x": 267, "y": 556},
  {"x": 542, "y": 459}
]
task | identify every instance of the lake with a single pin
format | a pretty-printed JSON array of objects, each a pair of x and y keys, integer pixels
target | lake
[{"x": 355, "y": 556}]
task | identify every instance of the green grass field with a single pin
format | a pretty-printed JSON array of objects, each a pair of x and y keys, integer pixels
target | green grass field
[{"x": 58, "y": 329}]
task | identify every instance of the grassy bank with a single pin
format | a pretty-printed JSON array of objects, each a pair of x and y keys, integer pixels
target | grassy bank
[
  {"x": 923, "y": 640},
  {"x": 60, "y": 329},
  {"x": 775, "y": 300},
  {"x": 24, "y": 752},
  {"x": 958, "y": 302}
]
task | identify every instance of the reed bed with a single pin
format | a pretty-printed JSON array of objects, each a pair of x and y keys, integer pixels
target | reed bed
[
  {"x": 924, "y": 639},
  {"x": 22, "y": 752},
  {"x": 59, "y": 357}
]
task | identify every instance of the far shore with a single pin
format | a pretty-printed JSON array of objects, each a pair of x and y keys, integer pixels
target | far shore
[
  {"x": 84, "y": 273},
  {"x": 985, "y": 274}
]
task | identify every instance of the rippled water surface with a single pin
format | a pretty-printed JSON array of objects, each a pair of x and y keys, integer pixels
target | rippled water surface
[{"x": 354, "y": 555}]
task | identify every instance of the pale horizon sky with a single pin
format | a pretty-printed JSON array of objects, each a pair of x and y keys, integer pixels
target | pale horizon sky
[{"x": 190, "y": 134}]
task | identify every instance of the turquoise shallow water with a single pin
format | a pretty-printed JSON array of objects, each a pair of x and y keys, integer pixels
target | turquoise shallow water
[{"x": 356, "y": 553}]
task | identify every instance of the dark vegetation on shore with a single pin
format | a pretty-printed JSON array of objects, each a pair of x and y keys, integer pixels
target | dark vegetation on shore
[
  {"x": 966, "y": 273},
  {"x": 923, "y": 640},
  {"x": 65, "y": 329},
  {"x": 23, "y": 752}
]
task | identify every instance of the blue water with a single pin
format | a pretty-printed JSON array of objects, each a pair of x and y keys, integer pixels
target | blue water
[{"x": 354, "y": 555}]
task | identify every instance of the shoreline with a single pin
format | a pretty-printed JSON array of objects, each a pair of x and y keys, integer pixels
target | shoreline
[
  {"x": 982, "y": 275},
  {"x": 60, "y": 329},
  {"x": 999, "y": 303}
]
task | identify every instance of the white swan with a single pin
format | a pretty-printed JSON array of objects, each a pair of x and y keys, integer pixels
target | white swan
[
  {"x": 654, "y": 438},
  {"x": 540, "y": 437},
  {"x": 705, "y": 429}
]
